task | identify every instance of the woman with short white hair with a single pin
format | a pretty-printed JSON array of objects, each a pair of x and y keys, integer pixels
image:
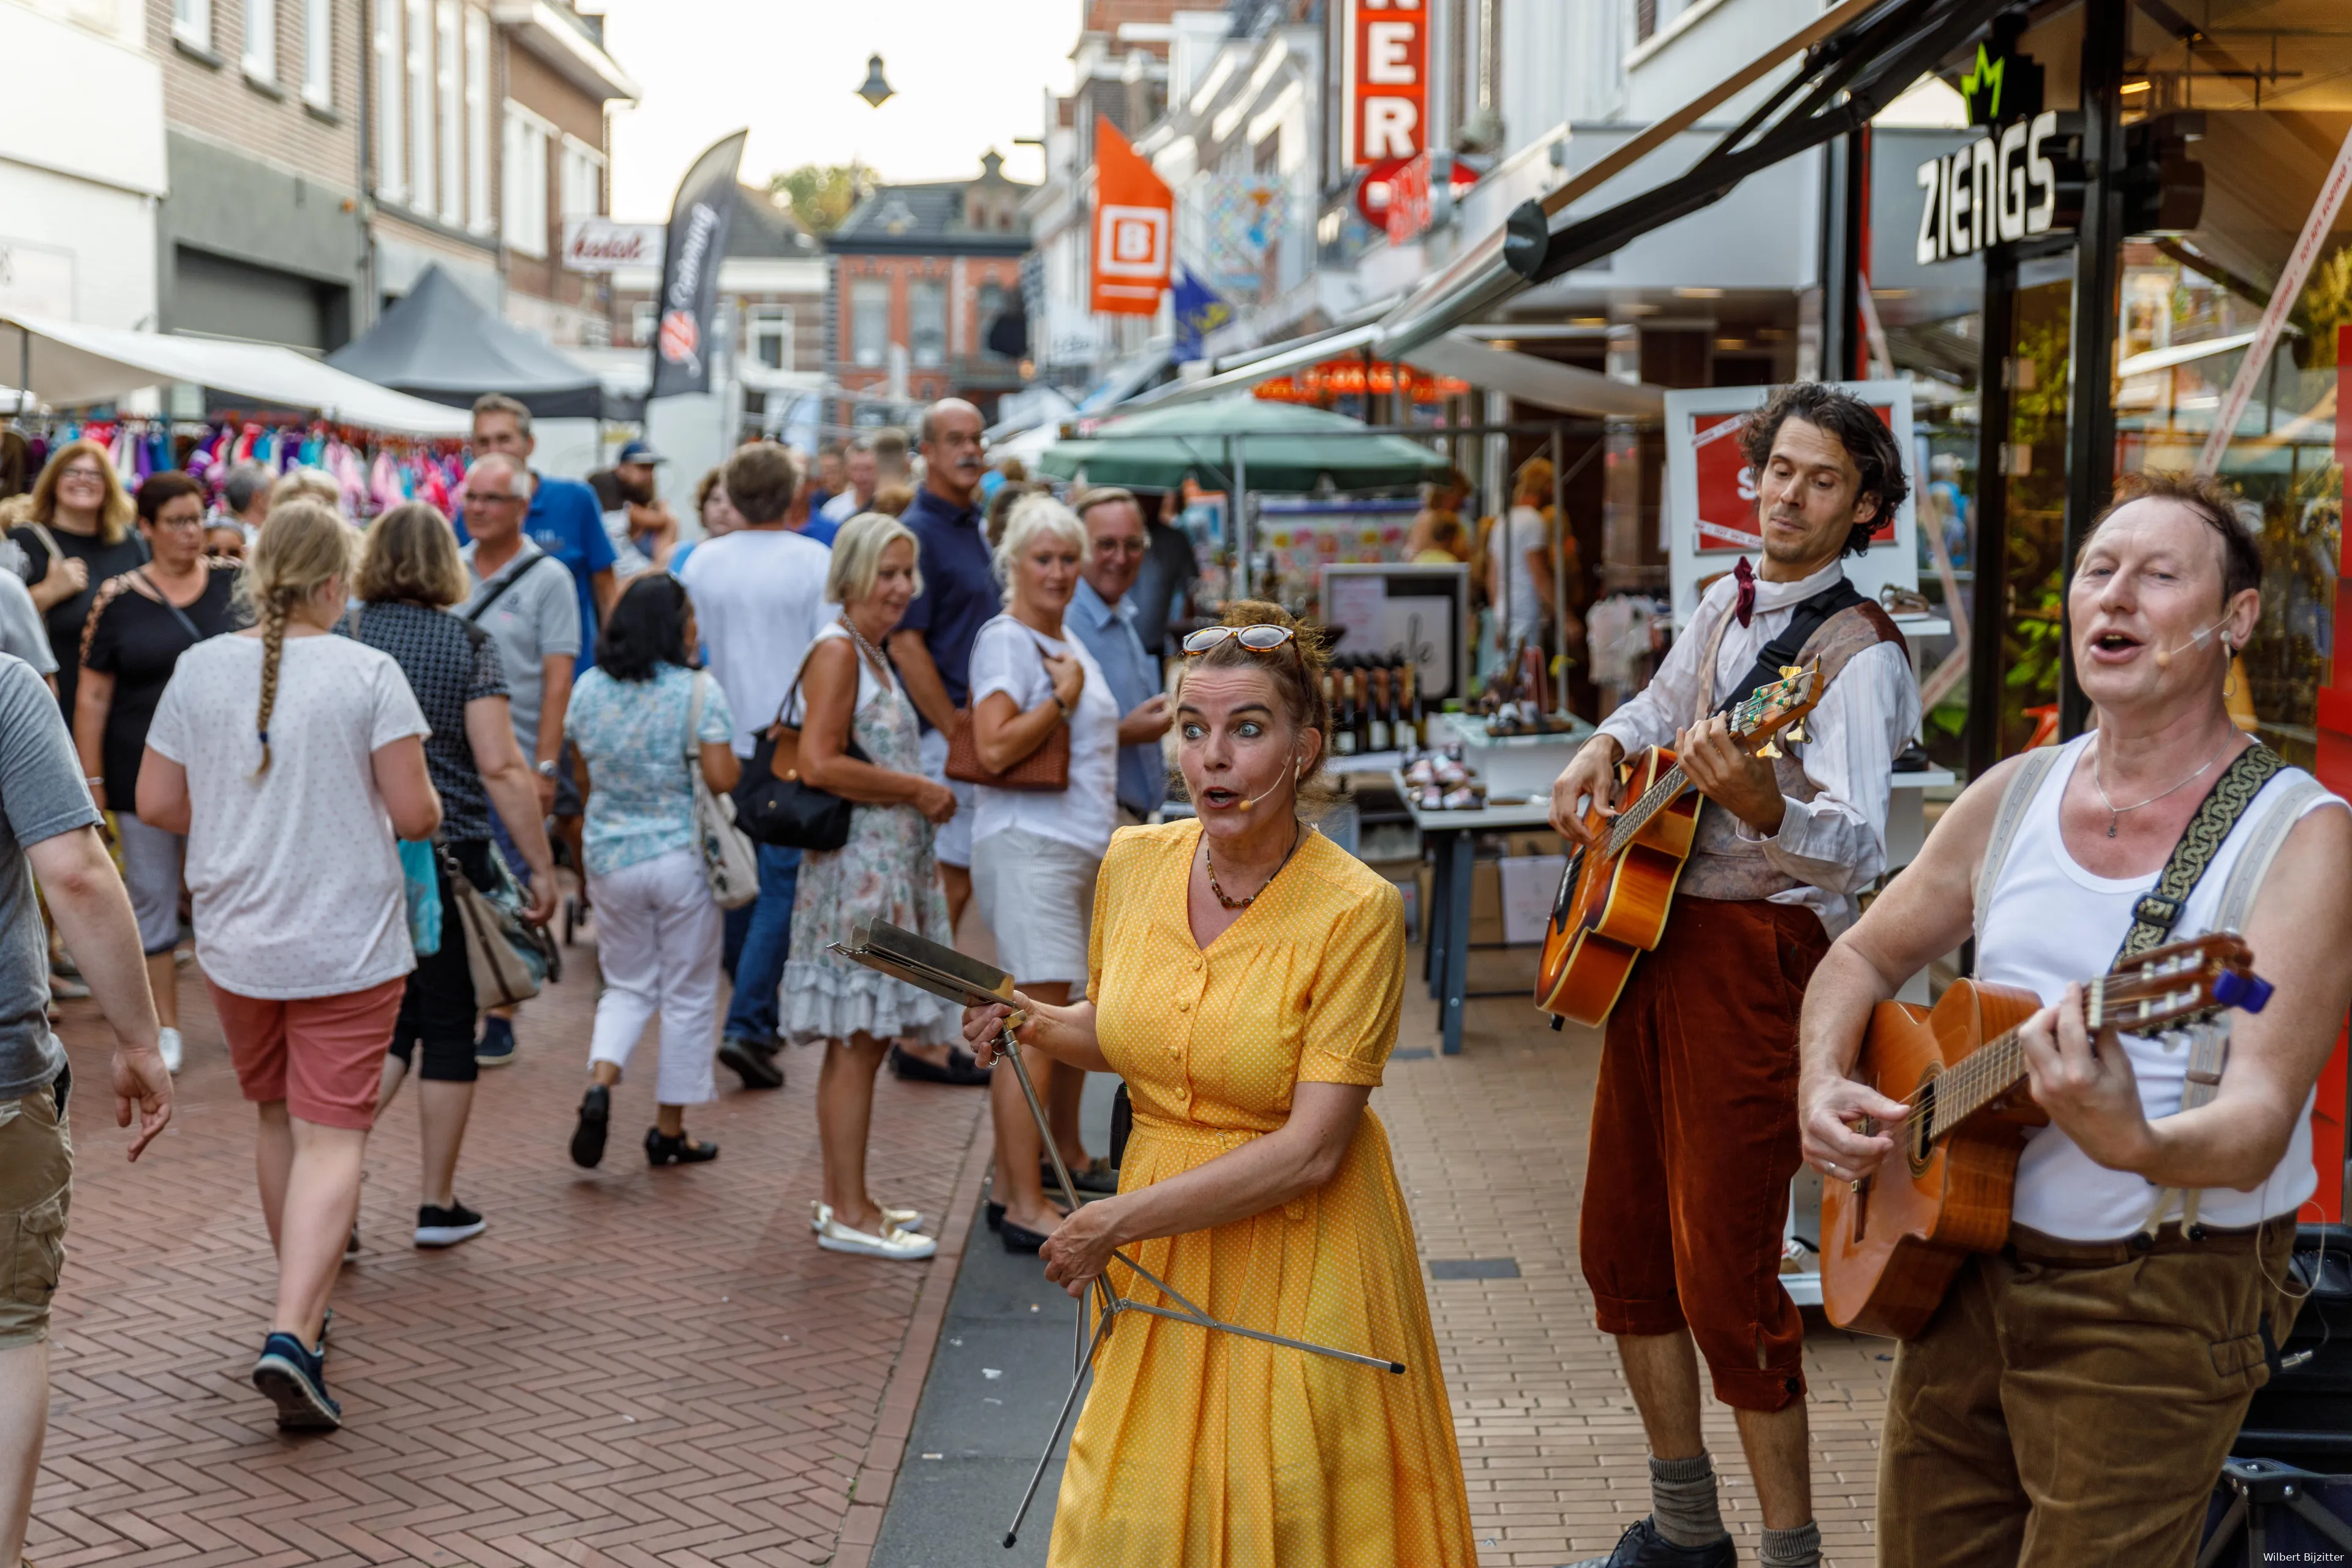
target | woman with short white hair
[
  {"x": 857, "y": 741},
  {"x": 1034, "y": 852}
]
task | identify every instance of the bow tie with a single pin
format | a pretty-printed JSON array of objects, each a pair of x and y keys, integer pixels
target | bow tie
[{"x": 1745, "y": 606}]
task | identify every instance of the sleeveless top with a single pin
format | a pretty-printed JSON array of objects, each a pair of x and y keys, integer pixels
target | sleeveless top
[
  {"x": 1723, "y": 865},
  {"x": 2049, "y": 923}
]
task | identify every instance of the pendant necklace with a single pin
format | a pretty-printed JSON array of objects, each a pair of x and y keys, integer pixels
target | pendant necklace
[
  {"x": 2114, "y": 811},
  {"x": 1296, "y": 833}
]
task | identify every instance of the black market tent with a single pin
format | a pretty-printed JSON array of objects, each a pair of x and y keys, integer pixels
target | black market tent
[{"x": 440, "y": 343}]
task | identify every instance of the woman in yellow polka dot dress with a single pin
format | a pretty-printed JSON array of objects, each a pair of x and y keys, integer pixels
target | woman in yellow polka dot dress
[{"x": 1246, "y": 975}]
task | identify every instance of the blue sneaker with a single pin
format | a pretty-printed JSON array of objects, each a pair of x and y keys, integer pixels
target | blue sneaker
[
  {"x": 296, "y": 1381},
  {"x": 496, "y": 1048}
]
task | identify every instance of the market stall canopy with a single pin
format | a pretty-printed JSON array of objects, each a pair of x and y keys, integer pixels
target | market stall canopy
[
  {"x": 1532, "y": 379},
  {"x": 1288, "y": 448},
  {"x": 71, "y": 364},
  {"x": 440, "y": 343}
]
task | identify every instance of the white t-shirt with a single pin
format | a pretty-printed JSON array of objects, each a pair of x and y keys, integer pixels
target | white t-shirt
[
  {"x": 1005, "y": 656},
  {"x": 297, "y": 883},
  {"x": 1521, "y": 533},
  {"x": 759, "y": 598},
  {"x": 2050, "y": 923}
]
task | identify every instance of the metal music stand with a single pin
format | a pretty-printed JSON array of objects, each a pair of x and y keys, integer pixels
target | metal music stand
[{"x": 943, "y": 972}]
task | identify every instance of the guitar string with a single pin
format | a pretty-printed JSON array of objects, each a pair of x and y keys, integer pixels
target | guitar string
[{"x": 1669, "y": 786}]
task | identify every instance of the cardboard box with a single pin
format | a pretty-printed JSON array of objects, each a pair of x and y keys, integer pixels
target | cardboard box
[{"x": 1486, "y": 904}]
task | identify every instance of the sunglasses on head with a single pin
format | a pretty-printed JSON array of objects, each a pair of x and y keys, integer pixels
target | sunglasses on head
[{"x": 1260, "y": 639}]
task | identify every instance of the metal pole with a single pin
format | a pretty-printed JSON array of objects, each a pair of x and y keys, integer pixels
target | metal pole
[
  {"x": 1558, "y": 573},
  {"x": 1242, "y": 530}
]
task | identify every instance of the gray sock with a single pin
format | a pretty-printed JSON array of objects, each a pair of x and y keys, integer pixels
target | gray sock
[
  {"x": 1798, "y": 1548},
  {"x": 1681, "y": 1500}
]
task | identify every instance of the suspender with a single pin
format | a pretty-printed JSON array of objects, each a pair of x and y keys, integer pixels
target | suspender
[{"x": 2024, "y": 786}]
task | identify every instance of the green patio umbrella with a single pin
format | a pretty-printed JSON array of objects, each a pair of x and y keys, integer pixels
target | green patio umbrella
[{"x": 1288, "y": 448}]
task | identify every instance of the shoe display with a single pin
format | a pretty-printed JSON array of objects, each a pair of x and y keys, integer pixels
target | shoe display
[
  {"x": 448, "y": 1228},
  {"x": 679, "y": 1151},
  {"x": 962, "y": 1070},
  {"x": 1643, "y": 1547},
  {"x": 168, "y": 1042},
  {"x": 835, "y": 1237},
  {"x": 748, "y": 1062},
  {"x": 820, "y": 1215},
  {"x": 595, "y": 1116},
  {"x": 294, "y": 1377},
  {"x": 496, "y": 1048}
]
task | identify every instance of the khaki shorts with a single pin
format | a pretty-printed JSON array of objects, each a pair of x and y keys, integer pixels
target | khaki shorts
[{"x": 36, "y": 1187}]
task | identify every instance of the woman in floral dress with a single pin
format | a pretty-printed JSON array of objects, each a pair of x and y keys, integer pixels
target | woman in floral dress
[{"x": 847, "y": 694}]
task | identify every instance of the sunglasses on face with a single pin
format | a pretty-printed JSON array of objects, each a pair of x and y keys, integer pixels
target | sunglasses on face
[{"x": 1260, "y": 639}]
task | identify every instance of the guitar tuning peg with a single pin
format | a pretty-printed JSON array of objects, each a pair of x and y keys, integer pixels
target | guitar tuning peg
[
  {"x": 1790, "y": 671},
  {"x": 1771, "y": 750},
  {"x": 1796, "y": 733}
]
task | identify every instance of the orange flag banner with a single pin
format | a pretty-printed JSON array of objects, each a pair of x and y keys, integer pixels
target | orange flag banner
[{"x": 1135, "y": 223}]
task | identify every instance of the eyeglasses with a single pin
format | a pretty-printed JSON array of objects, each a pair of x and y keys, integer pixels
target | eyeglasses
[
  {"x": 87, "y": 476},
  {"x": 473, "y": 500},
  {"x": 1260, "y": 639}
]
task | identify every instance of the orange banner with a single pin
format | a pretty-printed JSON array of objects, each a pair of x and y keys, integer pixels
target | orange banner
[{"x": 1135, "y": 223}]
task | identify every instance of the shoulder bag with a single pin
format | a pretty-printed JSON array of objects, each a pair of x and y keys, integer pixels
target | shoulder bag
[
  {"x": 510, "y": 957},
  {"x": 1045, "y": 771},
  {"x": 774, "y": 804},
  {"x": 728, "y": 862}
]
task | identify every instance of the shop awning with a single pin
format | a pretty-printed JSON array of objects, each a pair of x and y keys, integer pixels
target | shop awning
[{"x": 73, "y": 365}]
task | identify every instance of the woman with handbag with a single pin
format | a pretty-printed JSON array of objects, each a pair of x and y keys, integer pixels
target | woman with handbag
[
  {"x": 140, "y": 624},
  {"x": 857, "y": 741},
  {"x": 409, "y": 574},
  {"x": 293, "y": 760},
  {"x": 633, "y": 721},
  {"x": 1044, "y": 752}
]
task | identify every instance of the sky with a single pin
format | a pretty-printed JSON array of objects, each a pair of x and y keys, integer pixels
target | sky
[{"x": 969, "y": 75}]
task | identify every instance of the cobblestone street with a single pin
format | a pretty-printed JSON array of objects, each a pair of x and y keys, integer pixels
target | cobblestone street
[{"x": 636, "y": 1367}]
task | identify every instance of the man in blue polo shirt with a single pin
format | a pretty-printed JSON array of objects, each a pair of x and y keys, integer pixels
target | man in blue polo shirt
[
  {"x": 565, "y": 521},
  {"x": 932, "y": 647},
  {"x": 1102, "y": 616}
]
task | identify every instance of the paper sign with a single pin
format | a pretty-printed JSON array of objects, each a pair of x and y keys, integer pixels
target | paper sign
[{"x": 1530, "y": 883}]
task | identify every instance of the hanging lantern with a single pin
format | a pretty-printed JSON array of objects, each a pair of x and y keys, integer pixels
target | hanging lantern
[{"x": 875, "y": 89}]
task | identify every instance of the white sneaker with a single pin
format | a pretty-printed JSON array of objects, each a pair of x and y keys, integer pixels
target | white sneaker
[
  {"x": 820, "y": 1215},
  {"x": 168, "y": 1041},
  {"x": 835, "y": 1237}
]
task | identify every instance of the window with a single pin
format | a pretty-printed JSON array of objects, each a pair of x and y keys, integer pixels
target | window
[
  {"x": 420, "y": 104},
  {"x": 641, "y": 321},
  {"x": 391, "y": 172},
  {"x": 478, "y": 123},
  {"x": 869, "y": 321},
  {"x": 926, "y": 321},
  {"x": 993, "y": 299},
  {"x": 583, "y": 179},
  {"x": 526, "y": 181},
  {"x": 453, "y": 150},
  {"x": 261, "y": 40},
  {"x": 192, "y": 22},
  {"x": 319, "y": 53},
  {"x": 769, "y": 329}
]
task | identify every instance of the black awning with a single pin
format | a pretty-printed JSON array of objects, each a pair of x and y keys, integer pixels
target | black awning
[{"x": 439, "y": 344}]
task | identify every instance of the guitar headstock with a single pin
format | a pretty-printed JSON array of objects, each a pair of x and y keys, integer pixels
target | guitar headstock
[
  {"x": 2179, "y": 983},
  {"x": 1777, "y": 705}
]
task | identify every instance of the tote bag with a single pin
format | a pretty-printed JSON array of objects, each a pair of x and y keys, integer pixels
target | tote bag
[{"x": 729, "y": 864}]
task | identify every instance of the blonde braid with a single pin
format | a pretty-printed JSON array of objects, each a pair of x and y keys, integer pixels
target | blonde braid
[{"x": 274, "y": 612}]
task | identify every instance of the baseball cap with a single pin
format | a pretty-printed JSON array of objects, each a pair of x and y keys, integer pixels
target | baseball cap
[{"x": 641, "y": 452}]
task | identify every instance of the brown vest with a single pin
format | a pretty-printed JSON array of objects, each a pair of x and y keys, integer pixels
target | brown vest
[{"x": 1725, "y": 866}]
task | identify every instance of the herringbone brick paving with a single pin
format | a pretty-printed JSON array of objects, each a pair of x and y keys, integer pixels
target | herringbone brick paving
[{"x": 632, "y": 1367}]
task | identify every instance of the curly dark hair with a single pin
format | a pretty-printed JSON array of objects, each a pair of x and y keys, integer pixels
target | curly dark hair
[{"x": 1858, "y": 429}]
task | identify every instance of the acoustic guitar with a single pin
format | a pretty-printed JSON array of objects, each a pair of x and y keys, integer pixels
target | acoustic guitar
[
  {"x": 1891, "y": 1243},
  {"x": 1615, "y": 893}
]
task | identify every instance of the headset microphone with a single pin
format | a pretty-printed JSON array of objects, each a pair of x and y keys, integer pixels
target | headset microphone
[
  {"x": 2164, "y": 656},
  {"x": 1294, "y": 766}
]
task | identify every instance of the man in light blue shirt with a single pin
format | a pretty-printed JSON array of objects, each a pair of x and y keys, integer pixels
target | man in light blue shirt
[{"x": 1102, "y": 616}]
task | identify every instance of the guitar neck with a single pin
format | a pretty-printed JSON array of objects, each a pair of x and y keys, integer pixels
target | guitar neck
[
  {"x": 1654, "y": 800},
  {"x": 1981, "y": 1077}
]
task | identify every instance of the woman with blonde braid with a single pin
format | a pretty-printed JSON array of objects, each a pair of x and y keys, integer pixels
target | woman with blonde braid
[{"x": 292, "y": 760}]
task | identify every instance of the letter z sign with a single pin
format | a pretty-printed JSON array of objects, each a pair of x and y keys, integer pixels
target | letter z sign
[{"x": 1385, "y": 46}]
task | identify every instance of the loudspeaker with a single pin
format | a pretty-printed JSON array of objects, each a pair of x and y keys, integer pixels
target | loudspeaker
[
  {"x": 2303, "y": 1416},
  {"x": 2263, "y": 1513}
]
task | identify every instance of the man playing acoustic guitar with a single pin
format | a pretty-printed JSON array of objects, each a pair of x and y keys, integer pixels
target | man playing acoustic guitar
[
  {"x": 2072, "y": 1397},
  {"x": 1693, "y": 1125}
]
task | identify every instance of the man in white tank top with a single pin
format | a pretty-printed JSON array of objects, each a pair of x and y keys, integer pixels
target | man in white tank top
[{"x": 2074, "y": 1394}]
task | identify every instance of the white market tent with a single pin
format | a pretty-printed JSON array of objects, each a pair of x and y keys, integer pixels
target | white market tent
[{"x": 68, "y": 363}]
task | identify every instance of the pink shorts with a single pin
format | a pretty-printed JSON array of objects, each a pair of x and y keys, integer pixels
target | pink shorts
[{"x": 323, "y": 1056}]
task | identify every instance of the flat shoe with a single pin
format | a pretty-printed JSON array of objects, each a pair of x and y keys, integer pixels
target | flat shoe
[
  {"x": 747, "y": 1062},
  {"x": 1020, "y": 1238},
  {"x": 962, "y": 1070},
  {"x": 679, "y": 1151},
  {"x": 820, "y": 1215},
  {"x": 904, "y": 1245},
  {"x": 595, "y": 1120}
]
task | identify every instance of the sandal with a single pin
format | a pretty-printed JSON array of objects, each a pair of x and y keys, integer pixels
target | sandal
[{"x": 679, "y": 1151}]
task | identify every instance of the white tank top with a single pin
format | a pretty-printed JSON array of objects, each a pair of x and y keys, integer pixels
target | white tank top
[{"x": 2050, "y": 923}]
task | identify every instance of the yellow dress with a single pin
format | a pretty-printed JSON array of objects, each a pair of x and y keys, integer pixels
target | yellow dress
[{"x": 1206, "y": 1450}]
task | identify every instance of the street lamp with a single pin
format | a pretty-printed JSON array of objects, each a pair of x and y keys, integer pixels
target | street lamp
[{"x": 875, "y": 89}]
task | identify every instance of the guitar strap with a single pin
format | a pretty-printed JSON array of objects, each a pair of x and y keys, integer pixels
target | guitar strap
[
  {"x": 1782, "y": 651},
  {"x": 2158, "y": 909}
]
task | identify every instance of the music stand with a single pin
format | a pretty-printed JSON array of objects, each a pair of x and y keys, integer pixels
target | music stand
[{"x": 945, "y": 972}]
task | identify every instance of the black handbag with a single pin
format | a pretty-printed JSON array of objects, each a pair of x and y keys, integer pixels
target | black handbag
[{"x": 773, "y": 805}]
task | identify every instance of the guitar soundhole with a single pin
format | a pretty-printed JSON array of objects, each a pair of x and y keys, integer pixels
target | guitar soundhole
[
  {"x": 1566, "y": 891},
  {"x": 1918, "y": 1127}
]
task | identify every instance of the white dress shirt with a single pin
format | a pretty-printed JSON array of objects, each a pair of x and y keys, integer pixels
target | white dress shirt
[{"x": 1835, "y": 844}]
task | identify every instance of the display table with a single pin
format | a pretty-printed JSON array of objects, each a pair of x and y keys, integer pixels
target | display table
[{"x": 1446, "y": 836}]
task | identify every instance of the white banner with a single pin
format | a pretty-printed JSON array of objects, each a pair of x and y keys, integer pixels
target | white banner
[{"x": 601, "y": 245}]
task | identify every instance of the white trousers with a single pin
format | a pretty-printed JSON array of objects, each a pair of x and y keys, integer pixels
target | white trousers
[{"x": 657, "y": 939}]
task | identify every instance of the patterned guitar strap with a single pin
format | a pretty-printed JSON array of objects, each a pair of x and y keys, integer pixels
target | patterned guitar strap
[{"x": 2159, "y": 908}]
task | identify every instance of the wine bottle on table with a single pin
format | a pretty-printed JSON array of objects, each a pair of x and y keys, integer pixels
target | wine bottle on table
[
  {"x": 1376, "y": 720},
  {"x": 1343, "y": 725}
]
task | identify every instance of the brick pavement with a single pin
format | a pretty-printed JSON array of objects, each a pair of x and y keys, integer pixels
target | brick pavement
[
  {"x": 631, "y": 1367},
  {"x": 1490, "y": 1147}
]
